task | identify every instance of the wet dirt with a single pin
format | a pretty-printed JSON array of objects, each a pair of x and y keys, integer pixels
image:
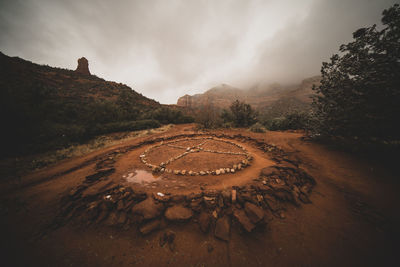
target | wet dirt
[
  {"x": 142, "y": 177},
  {"x": 352, "y": 221}
]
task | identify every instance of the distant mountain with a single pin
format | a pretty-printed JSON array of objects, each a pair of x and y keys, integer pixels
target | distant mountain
[
  {"x": 264, "y": 98},
  {"x": 44, "y": 107}
]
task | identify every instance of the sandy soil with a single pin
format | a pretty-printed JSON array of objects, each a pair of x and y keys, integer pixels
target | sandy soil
[{"x": 352, "y": 221}]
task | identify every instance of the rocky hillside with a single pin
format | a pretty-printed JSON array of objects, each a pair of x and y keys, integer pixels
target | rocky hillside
[
  {"x": 18, "y": 75},
  {"x": 43, "y": 107},
  {"x": 261, "y": 97}
]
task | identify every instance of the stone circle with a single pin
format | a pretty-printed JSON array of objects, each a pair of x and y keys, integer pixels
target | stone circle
[{"x": 196, "y": 145}]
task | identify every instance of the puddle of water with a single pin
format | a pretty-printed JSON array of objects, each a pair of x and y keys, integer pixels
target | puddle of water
[{"x": 141, "y": 177}]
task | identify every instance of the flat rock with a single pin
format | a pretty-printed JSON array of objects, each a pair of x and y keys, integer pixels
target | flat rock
[
  {"x": 222, "y": 228},
  {"x": 272, "y": 203},
  {"x": 150, "y": 227},
  {"x": 204, "y": 221},
  {"x": 148, "y": 209},
  {"x": 161, "y": 197},
  {"x": 268, "y": 171},
  {"x": 112, "y": 219},
  {"x": 100, "y": 173},
  {"x": 242, "y": 218},
  {"x": 233, "y": 196},
  {"x": 98, "y": 188},
  {"x": 178, "y": 213},
  {"x": 255, "y": 213},
  {"x": 121, "y": 218}
]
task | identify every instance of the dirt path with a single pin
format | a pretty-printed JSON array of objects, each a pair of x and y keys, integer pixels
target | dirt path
[{"x": 352, "y": 220}]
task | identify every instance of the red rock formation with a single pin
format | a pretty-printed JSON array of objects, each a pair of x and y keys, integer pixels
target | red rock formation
[
  {"x": 185, "y": 101},
  {"x": 83, "y": 66},
  {"x": 261, "y": 97}
]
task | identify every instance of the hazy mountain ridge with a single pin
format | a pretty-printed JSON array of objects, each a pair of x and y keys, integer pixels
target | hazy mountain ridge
[{"x": 261, "y": 97}]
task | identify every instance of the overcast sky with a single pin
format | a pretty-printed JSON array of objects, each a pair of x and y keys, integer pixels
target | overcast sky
[{"x": 165, "y": 49}]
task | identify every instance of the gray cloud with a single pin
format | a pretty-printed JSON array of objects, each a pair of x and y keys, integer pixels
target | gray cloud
[{"x": 165, "y": 49}]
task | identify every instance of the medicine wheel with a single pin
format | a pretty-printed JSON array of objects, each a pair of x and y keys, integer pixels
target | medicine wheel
[{"x": 196, "y": 156}]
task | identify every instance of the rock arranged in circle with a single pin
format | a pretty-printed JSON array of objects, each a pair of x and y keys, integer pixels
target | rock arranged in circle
[
  {"x": 196, "y": 156},
  {"x": 102, "y": 200}
]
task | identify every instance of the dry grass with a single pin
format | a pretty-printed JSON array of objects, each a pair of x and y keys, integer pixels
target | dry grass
[{"x": 14, "y": 167}]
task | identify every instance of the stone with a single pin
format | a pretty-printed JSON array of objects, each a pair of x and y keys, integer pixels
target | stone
[
  {"x": 242, "y": 218},
  {"x": 222, "y": 228},
  {"x": 255, "y": 213},
  {"x": 99, "y": 174},
  {"x": 150, "y": 227},
  {"x": 227, "y": 196},
  {"x": 148, "y": 209},
  {"x": 112, "y": 219},
  {"x": 204, "y": 221},
  {"x": 168, "y": 238},
  {"x": 268, "y": 171},
  {"x": 161, "y": 197},
  {"x": 178, "y": 213},
  {"x": 304, "y": 198},
  {"x": 183, "y": 172},
  {"x": 121, "y": 218},
  {"x": 194, "y": 195},
  {"x": 215, "y": 214},
  {"x": 233, "y": 196},
  {"x": 120, "y": 205},
  {"x": 83, "y": 66},
  {"x": 98, "y": 188},
  {"x": 218, "y": 172},
  {"x": 195, "y": 204},
  {"x": 305, "y": 189},
  {"x": 202, "y": 173},
  {"x": 103, "y": 214},
  {"x": 272, "y": 203},
  {"x": 177, "y": 198}
]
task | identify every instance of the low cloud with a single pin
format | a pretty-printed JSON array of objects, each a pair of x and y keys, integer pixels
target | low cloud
[{"x": 164, "y": 49}]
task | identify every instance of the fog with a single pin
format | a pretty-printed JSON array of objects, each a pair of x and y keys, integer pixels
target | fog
[{"x": 165, "y": 49}]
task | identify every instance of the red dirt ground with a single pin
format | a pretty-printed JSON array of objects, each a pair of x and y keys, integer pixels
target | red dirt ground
[{"x": 353, "y": 219}]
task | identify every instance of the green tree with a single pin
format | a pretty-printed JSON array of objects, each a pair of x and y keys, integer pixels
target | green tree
[
  {"x": 359, "y": 94},
  {"x": 242, "y": 114}
]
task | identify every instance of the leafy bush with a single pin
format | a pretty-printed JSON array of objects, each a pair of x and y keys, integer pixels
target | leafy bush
[
  {"x": 359, "y": 94},
  {"x": 208, "y": 118},
  {"x": 257, "y": 128},
  {"x": 291, "y": 121},
  {"x": 241, "y": 114},
  {"x": 166, "y": 115}
]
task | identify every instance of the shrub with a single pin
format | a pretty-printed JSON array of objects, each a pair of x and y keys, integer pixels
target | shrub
[
  {"x": 291, "y": 121},
  {"x": 208, "y": 118},
  {"x": 123, "y": 126},
  {"x": 241, "y": 114},
  {"x": 257, "y": 128},
  {"x": 359, "y": 93}
]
